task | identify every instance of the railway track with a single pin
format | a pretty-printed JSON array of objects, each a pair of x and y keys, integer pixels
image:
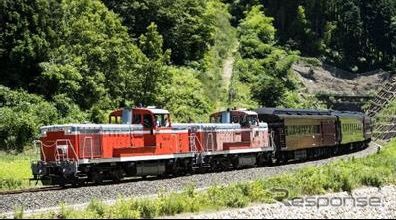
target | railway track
[
  {"x": 31, "y": 190},
  {"x": 47, "y": 198},
  {"x": 137, "y": 179}
]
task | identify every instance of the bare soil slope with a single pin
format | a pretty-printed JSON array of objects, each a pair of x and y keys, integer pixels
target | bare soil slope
[{"x": 330, "y": 80}]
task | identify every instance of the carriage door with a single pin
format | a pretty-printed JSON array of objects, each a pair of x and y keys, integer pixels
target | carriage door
[
  {"x": 328, "y": 132},
  {"x": 278, "y": 138}
]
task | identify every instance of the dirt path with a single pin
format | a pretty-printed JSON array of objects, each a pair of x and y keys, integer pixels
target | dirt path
[
  {"x": 227, "y": 70},
  {"x": 228, "y": 67}
]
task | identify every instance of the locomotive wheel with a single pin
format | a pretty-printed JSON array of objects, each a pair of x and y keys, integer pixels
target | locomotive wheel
[
  {"x": 97, "y": 177},
  {"x": 75, "y": 182},
  {"x": 116, "y": 176},
  {"x": 61, "y": 181},
  {"x": 281, "y": 159},
  {"x": 269, "y": 161}
]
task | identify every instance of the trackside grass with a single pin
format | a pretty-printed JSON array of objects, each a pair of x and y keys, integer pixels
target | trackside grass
[
  {"x": 344, "y": 175},
  {"x": 15, "y": 170}
]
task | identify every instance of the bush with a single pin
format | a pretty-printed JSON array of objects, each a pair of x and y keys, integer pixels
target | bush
[
  {"x": 147, "y": 208},
  {"x": 124, "y": 209},
  {"x": 22, "y": 114},
  {"x": 185, "y": 98},
  {"x": 97, "y": 207},
  {"x": 18, "y": 213}
]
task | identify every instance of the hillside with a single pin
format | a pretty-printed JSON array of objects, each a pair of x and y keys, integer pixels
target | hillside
[
  {"x": 328, "y": 79},
  {"x": 77, "y": 60}
]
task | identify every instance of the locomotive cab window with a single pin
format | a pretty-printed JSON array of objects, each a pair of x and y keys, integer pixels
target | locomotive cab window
[
  {"x": 251, "y": 120},
  {"x": 215, "y": 119},
  {"x": 147, "y": 121},
  {"x": 161, "y": 120},
  {"x": 235, "y": 119},
  {"x": 115, "y": 120},
  {"x": 137, "y": 119}
]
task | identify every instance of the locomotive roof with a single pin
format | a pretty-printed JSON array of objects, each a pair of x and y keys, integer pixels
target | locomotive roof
[
  {"x": 159, "y": 111},
  {"x": 348, "y": 113},
  {"x": 155, "y": 110},
  {"x": 104, "y": 127},
  {"x": 206, "y": 125},
  {"x": 286, "y": 111},
  {"x": 248, "y": 112},
  {"x": 239, "y": 110}
]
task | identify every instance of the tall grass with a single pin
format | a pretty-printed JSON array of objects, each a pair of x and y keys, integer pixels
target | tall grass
[
  {"x": 15, "y": 170},
  {"x": 344, "y": 175}
]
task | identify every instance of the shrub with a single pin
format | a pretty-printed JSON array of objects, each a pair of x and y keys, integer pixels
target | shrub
[
  {"x": 147, "y": 208},
  {"x": 97, "y": 207},
  {"x": 124, "y": 209},
  {"x": 18, "y": 213},
  {"x": 22, "y": 114}
]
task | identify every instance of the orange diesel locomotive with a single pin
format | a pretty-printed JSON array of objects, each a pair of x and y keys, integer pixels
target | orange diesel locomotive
[{"x": 143, "y": 142}]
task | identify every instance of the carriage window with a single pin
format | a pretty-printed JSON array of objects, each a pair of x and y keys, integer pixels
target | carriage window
[{"x": 302, "y": 130}]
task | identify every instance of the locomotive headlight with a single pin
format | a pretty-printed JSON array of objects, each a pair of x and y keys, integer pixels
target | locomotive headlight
[
  {"x": 43, "y": 133},
  {"x": 67, "y": 130}
]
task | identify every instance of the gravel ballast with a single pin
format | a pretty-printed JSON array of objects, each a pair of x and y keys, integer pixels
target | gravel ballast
[
  {"x": 45, "y": 199},
  {"x": 367, "y": 202}
]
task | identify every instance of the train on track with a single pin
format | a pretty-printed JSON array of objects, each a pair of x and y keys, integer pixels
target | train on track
[{"x": 144, "y": 142}]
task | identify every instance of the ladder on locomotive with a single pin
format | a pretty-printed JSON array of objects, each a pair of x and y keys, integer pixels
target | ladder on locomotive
[
  {"x": 62, "y": 147},
  {"x": 193, "y": 138}
]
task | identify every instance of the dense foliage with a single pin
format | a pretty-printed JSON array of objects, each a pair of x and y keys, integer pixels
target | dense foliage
[
  {"x": 186, "y": 29},
  {"x": 357, "y": 35},
  {"x": 263, "y": 67},
  {"x": 76, "y": 60}
]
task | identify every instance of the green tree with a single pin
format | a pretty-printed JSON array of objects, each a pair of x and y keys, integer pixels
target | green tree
[
  {"x": 263, "y": 66},
  {"x": 184, "y": 97},
  {"x": 28, "y": 31},
  {"x": 22, "y": 114},
  {"x": 302, "y": 37},
  {"x": 96, "y": 64},
  {"x": 180, "y": 22},
  {"x": 154, "y": 73},
  {"x": 257, "y": 34}
]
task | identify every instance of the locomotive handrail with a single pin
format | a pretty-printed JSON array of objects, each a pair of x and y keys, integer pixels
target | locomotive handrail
[
  {"x": 69, "y": 144},
  {"x": 193, "y": 137},
  {"x": 35, "y": 142}
]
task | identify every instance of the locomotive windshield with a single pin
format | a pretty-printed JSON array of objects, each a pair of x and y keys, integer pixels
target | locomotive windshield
[
  {"x": 215, "y": 119},
  {"x": 251, "y": 120},
  {"x": 161, "y": 120}
]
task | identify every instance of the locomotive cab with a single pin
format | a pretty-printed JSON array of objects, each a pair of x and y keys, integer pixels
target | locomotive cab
[
  {"x": 243, "y": 117},
  {"x": 149, "y": 118}
]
